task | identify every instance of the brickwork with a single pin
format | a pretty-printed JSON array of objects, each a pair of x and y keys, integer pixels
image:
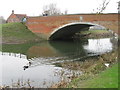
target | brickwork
[{"x": 45, "y": 25}]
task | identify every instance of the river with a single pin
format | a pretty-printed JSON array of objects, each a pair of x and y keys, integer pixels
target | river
[{"x": 36, "y": 64}]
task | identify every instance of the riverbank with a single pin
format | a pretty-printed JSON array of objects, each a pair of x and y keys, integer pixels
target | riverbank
[
  {"x": 105, "y": 79},
  {"x": 94, "y": 34},
  {"x": 17, "y": 33},
  {"x": 98, "y": 72}
]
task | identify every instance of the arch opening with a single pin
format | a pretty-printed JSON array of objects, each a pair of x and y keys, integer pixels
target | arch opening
[{"x": 67, "y": 31}]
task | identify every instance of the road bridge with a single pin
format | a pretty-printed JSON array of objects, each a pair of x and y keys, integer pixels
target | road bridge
[{"x": 65, "y": 26}]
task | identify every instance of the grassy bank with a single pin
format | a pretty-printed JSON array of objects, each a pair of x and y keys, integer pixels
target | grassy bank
[
  {"x": 17, "y": 33},
  {"x": 95, "y": 73},
  {"x": 106, "y": 79}
]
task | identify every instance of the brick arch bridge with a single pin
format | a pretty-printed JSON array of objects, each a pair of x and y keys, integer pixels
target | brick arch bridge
[{"x": 64, "y": 26}]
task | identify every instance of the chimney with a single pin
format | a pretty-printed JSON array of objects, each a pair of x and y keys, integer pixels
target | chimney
[{"x": 12, "y": 11}]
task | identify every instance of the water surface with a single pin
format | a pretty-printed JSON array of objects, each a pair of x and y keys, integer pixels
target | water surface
[{"x": 33, "y": 64}]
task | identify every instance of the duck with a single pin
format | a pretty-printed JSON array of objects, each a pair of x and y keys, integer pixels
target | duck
[{"x": 25, "y": 67}]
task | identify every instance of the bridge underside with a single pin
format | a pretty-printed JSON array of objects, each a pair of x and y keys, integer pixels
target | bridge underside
[{"x": 68, "y": 31}]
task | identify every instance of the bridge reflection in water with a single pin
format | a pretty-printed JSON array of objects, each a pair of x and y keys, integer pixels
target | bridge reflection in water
[
  {"x": 60, "y": 49},
  {"x": 56, "y": 49}
]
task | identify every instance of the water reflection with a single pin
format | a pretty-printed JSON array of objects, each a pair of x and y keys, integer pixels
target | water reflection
[
  {"x": 57, "y": 49},
  {"x": 98, "y": 46},
  {"x": 43, "y": 49}
]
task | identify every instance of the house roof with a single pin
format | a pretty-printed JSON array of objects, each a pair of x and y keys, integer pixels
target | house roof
[{"x": 20, "y": 16}]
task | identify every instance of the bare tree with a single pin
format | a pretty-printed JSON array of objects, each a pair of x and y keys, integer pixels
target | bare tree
[
  {"x": 119, "y": 7},
  {"x": 51, "y": 9},
  {"x": 102, "y": 6}
]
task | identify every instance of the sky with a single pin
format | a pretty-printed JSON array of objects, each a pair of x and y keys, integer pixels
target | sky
[{"x": 35, "y": 7}]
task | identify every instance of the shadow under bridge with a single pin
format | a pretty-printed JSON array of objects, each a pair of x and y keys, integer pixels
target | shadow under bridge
[{"x": 67, "y": 31}]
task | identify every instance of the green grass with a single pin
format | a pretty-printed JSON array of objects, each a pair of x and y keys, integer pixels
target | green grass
[
  {"x": 17, "y": 33},
  {"x": 105, "y": 79}
]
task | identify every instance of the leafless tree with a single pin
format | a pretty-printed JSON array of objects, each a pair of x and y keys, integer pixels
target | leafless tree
[
  {"x": 51, "y": 9},
  {"x": 119, "y": 7},
  {"x": 102, "y": 6}
]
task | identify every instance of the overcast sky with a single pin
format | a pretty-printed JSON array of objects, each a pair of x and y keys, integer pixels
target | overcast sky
[{"x": 35, "y": 7}]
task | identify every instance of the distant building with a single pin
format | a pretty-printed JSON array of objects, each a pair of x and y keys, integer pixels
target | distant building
[{"x": 16, "y": 17}]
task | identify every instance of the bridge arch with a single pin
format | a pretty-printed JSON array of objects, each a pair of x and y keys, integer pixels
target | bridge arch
[{"x": 68, "y": 30}]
